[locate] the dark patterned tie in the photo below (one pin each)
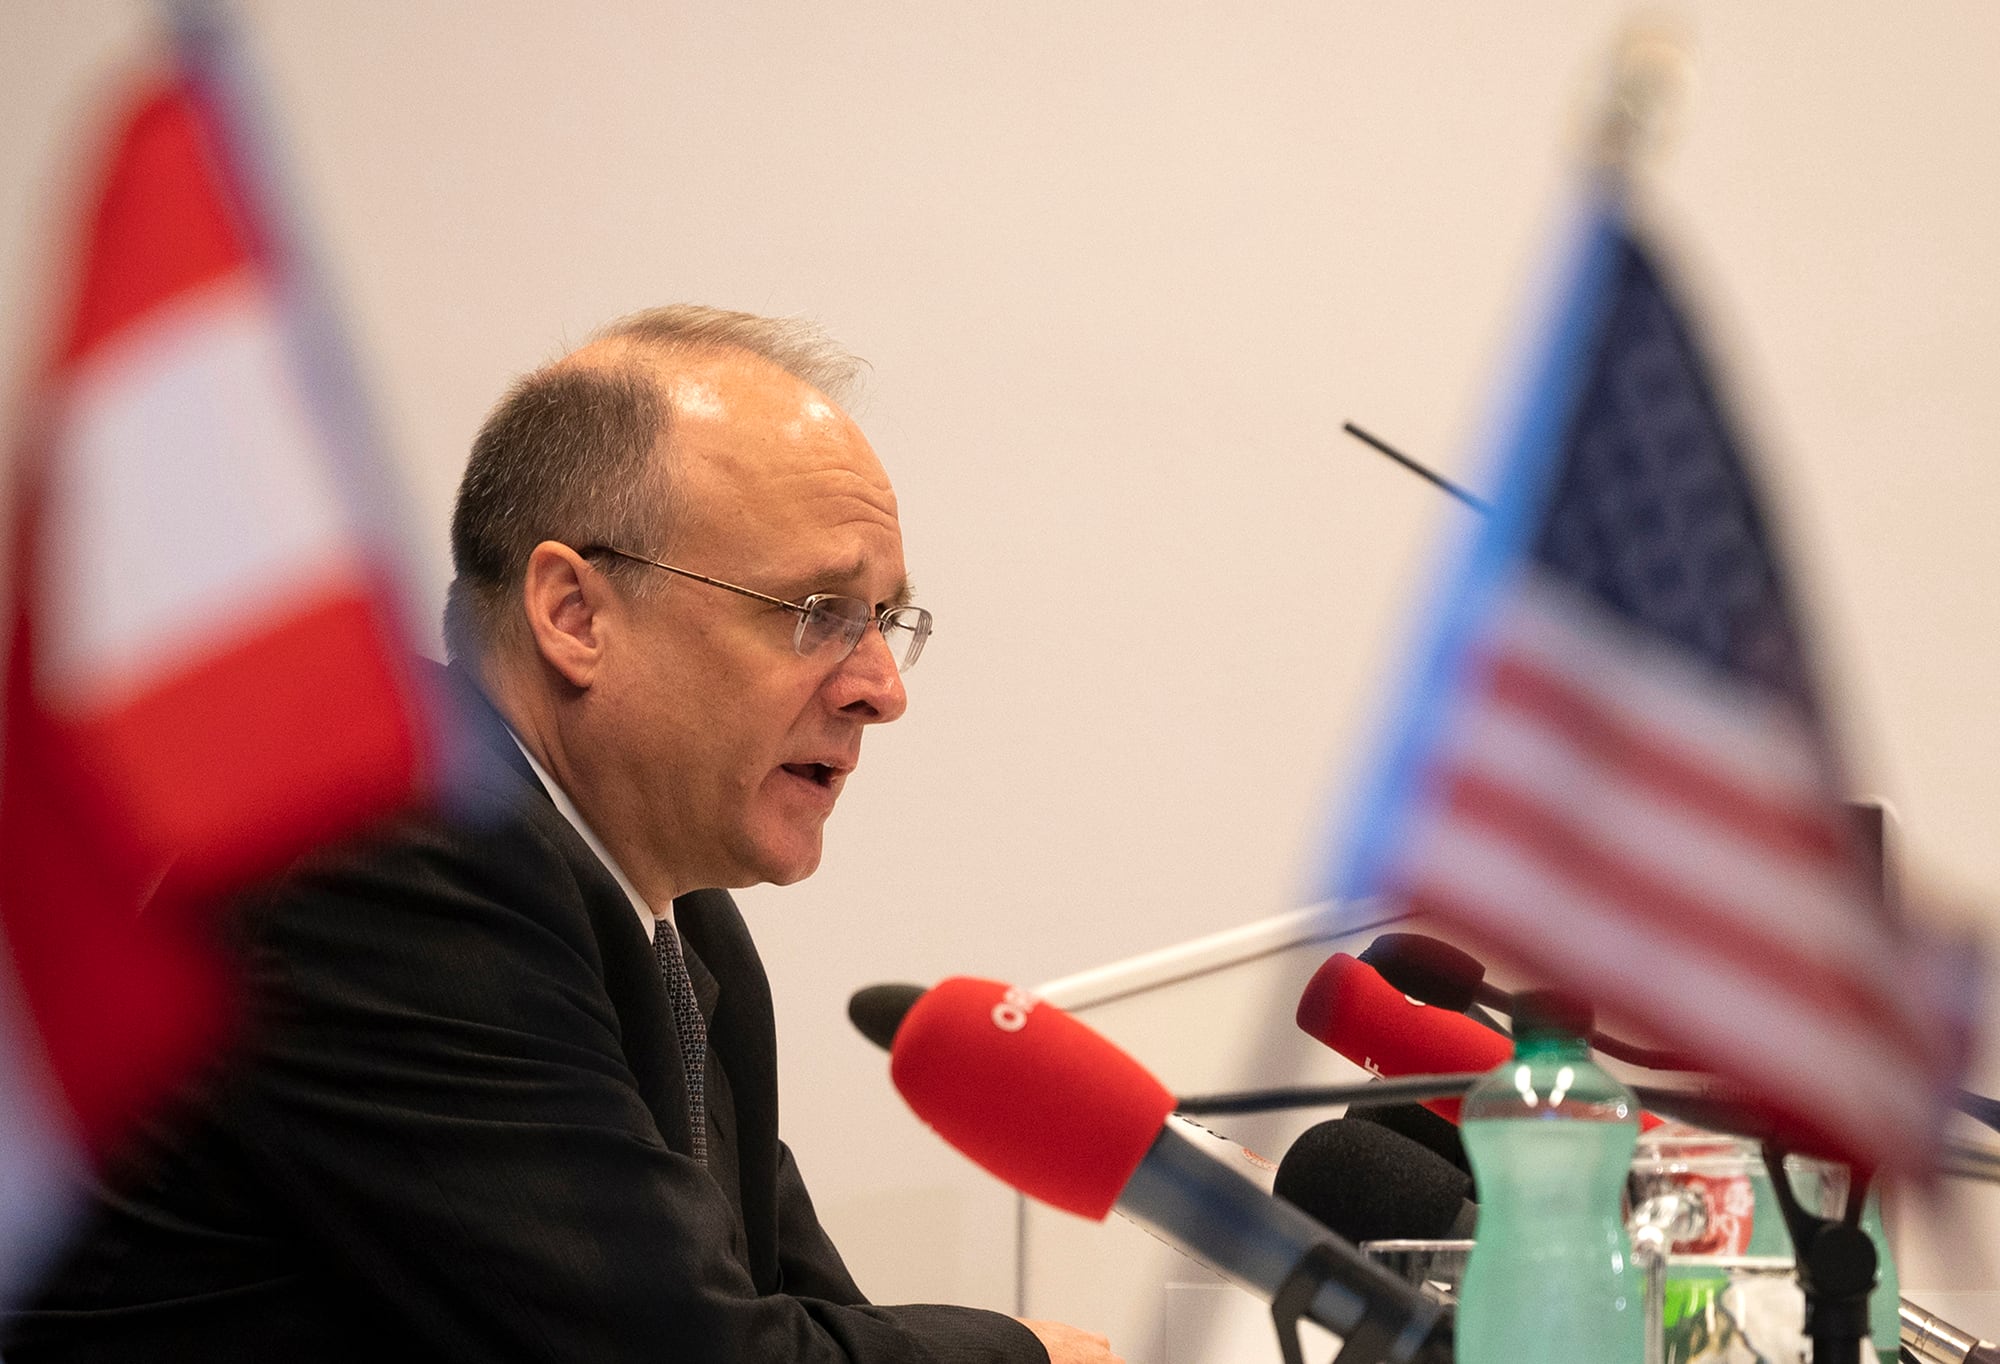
(689, 1024)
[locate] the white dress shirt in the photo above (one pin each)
(647, 914)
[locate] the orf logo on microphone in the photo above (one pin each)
(1011, 1013)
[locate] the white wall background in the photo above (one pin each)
(1122, 270)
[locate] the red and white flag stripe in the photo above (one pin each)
(205, 675)
(1606, 811)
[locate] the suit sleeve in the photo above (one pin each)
(436, 1090)
(813, 1268)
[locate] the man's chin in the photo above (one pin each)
(791, 875)
(784, 866)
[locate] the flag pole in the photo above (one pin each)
(1651, 72)
(208, 41)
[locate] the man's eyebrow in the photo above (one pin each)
(839, 581)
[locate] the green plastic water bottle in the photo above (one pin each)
(1551, 1278)
(1885, 1317)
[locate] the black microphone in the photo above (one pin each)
(878, 1010)
(1446, 977)
(1442, 976)
(1418, 1124)
(1370, 1184)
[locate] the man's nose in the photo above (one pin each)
(868, 684)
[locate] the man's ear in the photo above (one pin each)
(566, 602)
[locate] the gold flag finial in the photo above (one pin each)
(1651, 74)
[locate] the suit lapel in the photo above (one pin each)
(740, 1033)
(631, 973)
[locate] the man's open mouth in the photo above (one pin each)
(817, 773)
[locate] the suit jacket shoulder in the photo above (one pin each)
(456, 1125)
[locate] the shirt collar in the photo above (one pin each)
(648, 916)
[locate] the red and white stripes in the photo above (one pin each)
(1605, 811)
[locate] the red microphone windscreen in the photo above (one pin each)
(1348, 1006)
(1029, 1093)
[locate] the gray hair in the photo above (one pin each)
(796, 345)
(577, 452)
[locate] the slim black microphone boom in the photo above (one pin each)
(1423, 471)
(1715, 1109)
(1410, 1088)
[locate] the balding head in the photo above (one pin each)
(702, 731)
(581, 451)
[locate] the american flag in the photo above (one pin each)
(1617, 775)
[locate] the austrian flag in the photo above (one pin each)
(202, 676)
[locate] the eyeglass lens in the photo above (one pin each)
(839, 621)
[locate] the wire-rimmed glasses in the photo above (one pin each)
(826, 620)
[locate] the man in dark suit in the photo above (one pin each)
(508, 1089)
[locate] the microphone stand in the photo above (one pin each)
(1373, 1339)
(1836, 1264)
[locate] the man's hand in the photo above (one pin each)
(1067, 1345)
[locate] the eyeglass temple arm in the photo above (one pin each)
(698, 577)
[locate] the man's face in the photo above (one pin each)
(731, 749)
